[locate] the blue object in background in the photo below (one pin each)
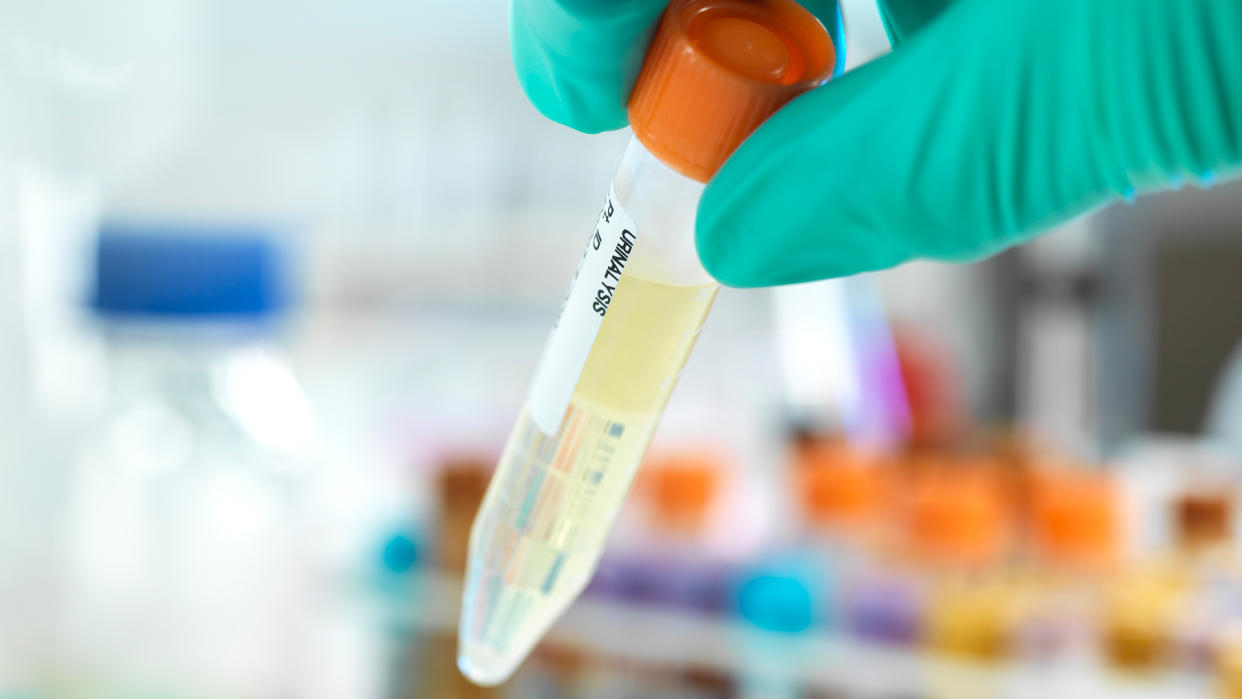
(400, 553)
(179, 271)
(784, 595)
(398, 556)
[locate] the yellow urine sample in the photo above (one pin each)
(542, 526)
(1140, 613)
(977, 620)
(1228, 659)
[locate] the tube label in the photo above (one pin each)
(599, 272)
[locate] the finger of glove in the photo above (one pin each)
(903, 18)
(951, 147)
(577, 60)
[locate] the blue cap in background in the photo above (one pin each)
(401, 551)
(784, 594)
(178, 271)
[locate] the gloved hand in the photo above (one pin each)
(988, 122)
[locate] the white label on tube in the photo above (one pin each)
(599, 271)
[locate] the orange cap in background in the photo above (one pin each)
(957, 517)
(717, 69)
(1203, 517)
(462, 485)
(682, 488)
(463, 481)
(1075, 518)
(839, 485)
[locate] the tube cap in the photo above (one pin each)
(840, 486)
(1076, 518)
(187, 272)
(683, 487)
(957, 517)
(716, 70)
(1204, 517)
(462, 486)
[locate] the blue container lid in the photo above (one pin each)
(188, 272)
(401, 552)
(783, 595)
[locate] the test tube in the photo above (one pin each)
(715, 70)
(1073, 525)
(958, 538)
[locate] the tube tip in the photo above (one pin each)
(481, 666)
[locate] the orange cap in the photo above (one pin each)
(1204, 517)
(957, 517)
(839, 486)
(1076, 517)
(716, 69)
(463, 481)
(682, 488)
(462, 486)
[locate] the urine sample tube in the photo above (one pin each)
(715, 70)
(958, 538)
(1073, 524)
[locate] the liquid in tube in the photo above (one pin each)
(539, 538)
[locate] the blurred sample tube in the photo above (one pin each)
(843, 493)
(958, 535)
(1074, 532)
(779, 601)
(461, 485)
(667, 558)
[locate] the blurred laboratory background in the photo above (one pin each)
(274, 277)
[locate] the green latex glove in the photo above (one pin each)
(989, 121)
